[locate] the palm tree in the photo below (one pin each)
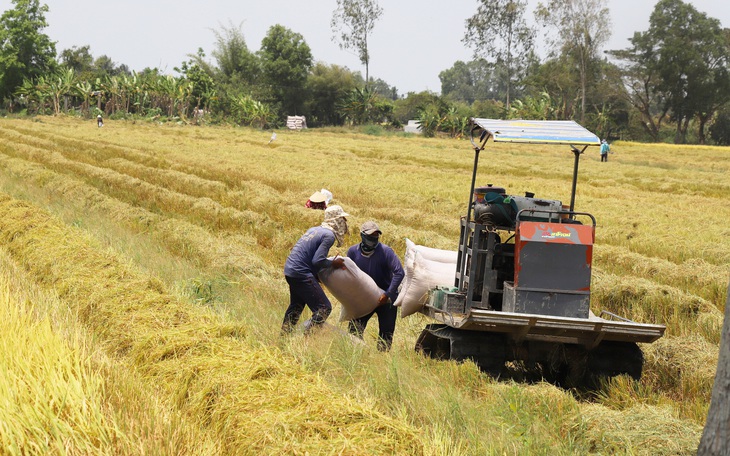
(359, 105)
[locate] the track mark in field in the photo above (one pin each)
(202, 211)
(181, 238)
(229, 188)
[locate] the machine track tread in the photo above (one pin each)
(486, 349)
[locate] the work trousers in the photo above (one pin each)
(604, 157)
(307, 292)
(387, 314)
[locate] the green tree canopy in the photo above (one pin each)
(25, 51)
(414, 103)
(78, 59)
(498, 30)
(692, 57)
(235, 61)
(327, 88)
(382, 88)
(199, 73)
(236, 70)
(285, 62)
(678, 67)
(557, 77)
(582, 27)
(470, 81)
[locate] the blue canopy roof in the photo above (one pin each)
(538, 131)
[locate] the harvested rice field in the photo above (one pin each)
(142, 293)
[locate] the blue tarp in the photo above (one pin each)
(538, 131)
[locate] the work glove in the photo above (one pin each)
(384, 299)
(338, 263)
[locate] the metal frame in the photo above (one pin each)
(555, 132)
(588, 332)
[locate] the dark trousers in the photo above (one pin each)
(604, 157)
(387, 314)
(307, 292)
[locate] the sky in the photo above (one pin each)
(412, 42)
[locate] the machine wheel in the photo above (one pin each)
(486, 349)
(616, 358)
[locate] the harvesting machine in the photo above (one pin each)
(523, 277)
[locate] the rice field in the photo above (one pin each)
(145, 262)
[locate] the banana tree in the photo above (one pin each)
(59, 86)
(112, 88)
(456, 125)
(84, 90)
(248, 111)
(430, 120)
(31, 94)
(534, 108)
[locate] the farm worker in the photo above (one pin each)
(99, 121)
(318, 200)
(306, 258)
(380, 262)
(605, 148)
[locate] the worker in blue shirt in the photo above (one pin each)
(306, 259)
(380, 262)
(605, 149)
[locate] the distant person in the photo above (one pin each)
(380, 262)
(306, 259)
(605, 148)
(99, 121)
(318, 200)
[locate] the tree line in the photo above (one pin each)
(671, 84)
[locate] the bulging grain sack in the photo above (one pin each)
(425, 268)
(356, 291)
(429, 253)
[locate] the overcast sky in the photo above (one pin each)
(411, 44)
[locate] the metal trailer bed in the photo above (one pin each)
(531, 327)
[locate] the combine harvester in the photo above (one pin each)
(523, 278)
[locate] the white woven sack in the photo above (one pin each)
(355, 290)
(408, 262)
(426, 253)
(440, 255)
(424, 275)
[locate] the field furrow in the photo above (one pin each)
(226, 253)
(155, 198)
(172, 343)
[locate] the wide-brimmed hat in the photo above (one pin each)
(370, 228)
(334, 212)
(318, 197)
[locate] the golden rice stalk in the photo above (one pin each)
(193, 355)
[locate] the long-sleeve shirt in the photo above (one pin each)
(309, 254)
(383, 266)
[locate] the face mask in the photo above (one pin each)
(369, 242)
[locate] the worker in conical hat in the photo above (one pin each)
(318, 200)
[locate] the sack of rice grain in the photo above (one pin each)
(356, 291)
(425, 268)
